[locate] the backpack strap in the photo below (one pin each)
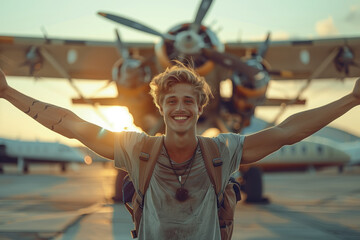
(148, 157)
(213, 163)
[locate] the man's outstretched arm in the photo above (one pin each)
(297, 127)
(60, 120)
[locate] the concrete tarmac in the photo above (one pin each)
(47, 204)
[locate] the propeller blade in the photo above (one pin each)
(230, 61)
(135, 25)
(203, 9)
(264, 47)
(124, 52)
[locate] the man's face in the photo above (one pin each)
(180, 108)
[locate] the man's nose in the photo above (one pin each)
(180, 106)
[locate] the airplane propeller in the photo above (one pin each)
(230, 61)
(345, 59)
(200, 15)
(252, 69)
(125, 66)
(183, 42)
(33, 59)
(264, 47)
(203, 9)
(136, 25)
(122, 50)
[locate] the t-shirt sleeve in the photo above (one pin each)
(127, 150)
(231, 149)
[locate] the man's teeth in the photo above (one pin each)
(180, 118)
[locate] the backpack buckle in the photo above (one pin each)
(133, 234)
(144, 156)
(217, 162)
(140, 199)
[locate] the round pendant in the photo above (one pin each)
(182, 194)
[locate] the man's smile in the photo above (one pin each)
(180, 118)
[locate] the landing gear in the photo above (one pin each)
(26, 168)
(63, 167)
(253, 187)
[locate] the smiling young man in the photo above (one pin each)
(180, 98)
(180, 202)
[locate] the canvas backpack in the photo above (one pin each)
(226, 199)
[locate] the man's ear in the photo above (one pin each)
(201, 108)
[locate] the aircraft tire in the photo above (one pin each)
(253, 186)
(26, 168)
(63, 167)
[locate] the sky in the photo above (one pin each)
(232, 20)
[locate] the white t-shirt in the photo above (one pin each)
(164, 217)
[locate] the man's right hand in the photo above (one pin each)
(3, 83)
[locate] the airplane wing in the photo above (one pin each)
(60, 58)
(321, 58)
(82, 59)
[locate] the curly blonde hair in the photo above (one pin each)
(179, 73)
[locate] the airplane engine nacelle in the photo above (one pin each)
(130, 73)
(187, 46)
(249, 93)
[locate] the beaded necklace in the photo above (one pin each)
(182, 194)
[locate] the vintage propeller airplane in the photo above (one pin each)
(246, 67)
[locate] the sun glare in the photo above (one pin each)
(119, 119)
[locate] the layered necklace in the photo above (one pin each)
(182, 194)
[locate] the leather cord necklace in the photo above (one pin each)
(182, 194)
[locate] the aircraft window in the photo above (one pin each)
(282, 151)
(304, 149)
(293, 149)
(320, 149)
